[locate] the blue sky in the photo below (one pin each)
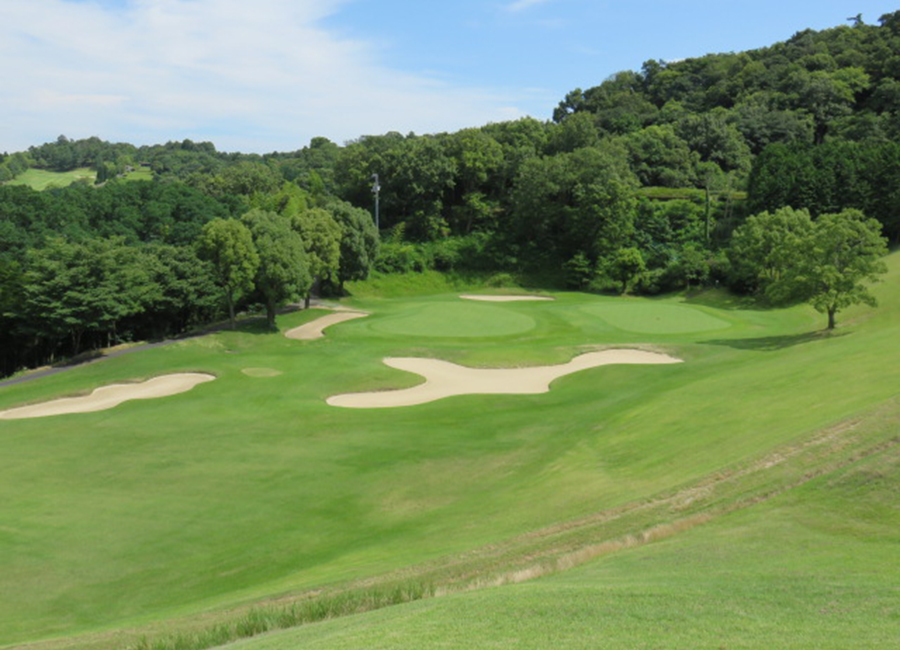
(266, 75)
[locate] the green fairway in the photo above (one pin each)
(251, 486)
(644, 317)
(42, 179)
(456, 319)
(816, 568)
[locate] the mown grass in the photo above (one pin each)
(139, 174)
(812, 568)
(252, 488)
(42, 179)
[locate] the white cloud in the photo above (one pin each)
(521, 5)
(250, 76)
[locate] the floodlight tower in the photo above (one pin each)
(376, 188)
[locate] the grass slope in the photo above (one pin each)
(42, 179)
(251, 487)
(814, 568)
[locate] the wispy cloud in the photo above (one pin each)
(251, 76)
(521, 5)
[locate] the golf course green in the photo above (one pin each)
(745, 497)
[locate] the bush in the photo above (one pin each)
(501, 280)
(579, 271)
(401, 257)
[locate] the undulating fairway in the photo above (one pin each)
(743, 498)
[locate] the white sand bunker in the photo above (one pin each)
(106, 397)
(316, 329)
(444, 379)
(510, 298)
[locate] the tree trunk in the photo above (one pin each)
(708, 211)
(76, 340)
(230, 300)
(831, 313)
(270, 314)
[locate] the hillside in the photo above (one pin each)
(269, 492)
(650, 438)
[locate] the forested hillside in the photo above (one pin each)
(636, 184)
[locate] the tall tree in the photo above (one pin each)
(844, 258)
(228, 244)
(359, 241)
(74, 288)
(321, 236)
(283, 272)
(828, 263)
(764, 248)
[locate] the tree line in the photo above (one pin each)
(645, 183)
(85, 267)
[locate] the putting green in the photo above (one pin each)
(650, 318)
(456, 319)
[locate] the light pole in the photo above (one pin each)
(376, 188)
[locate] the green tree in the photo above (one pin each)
(321, 236)
(580, 201)
(228, 244)
(626, 265)
(75, 288)
(827, 262)
(186, 293)
(660, 158)
(764, 247)
(283, 271)
(843, 258)
(359, 241)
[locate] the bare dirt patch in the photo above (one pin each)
(445, 379)
(261, 372)
(106, 397)
(316, 329)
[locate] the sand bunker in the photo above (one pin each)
(316, 329)
(106, 397)
(444, 379)
(488, 298)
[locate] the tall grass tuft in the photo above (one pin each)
(263, 619)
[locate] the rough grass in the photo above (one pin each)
(180, 516)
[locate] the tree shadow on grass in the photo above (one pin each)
(774, 343)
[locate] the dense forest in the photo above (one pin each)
(674, 176)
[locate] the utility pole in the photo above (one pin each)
(376, 188)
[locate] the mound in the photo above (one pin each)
(445, 379)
